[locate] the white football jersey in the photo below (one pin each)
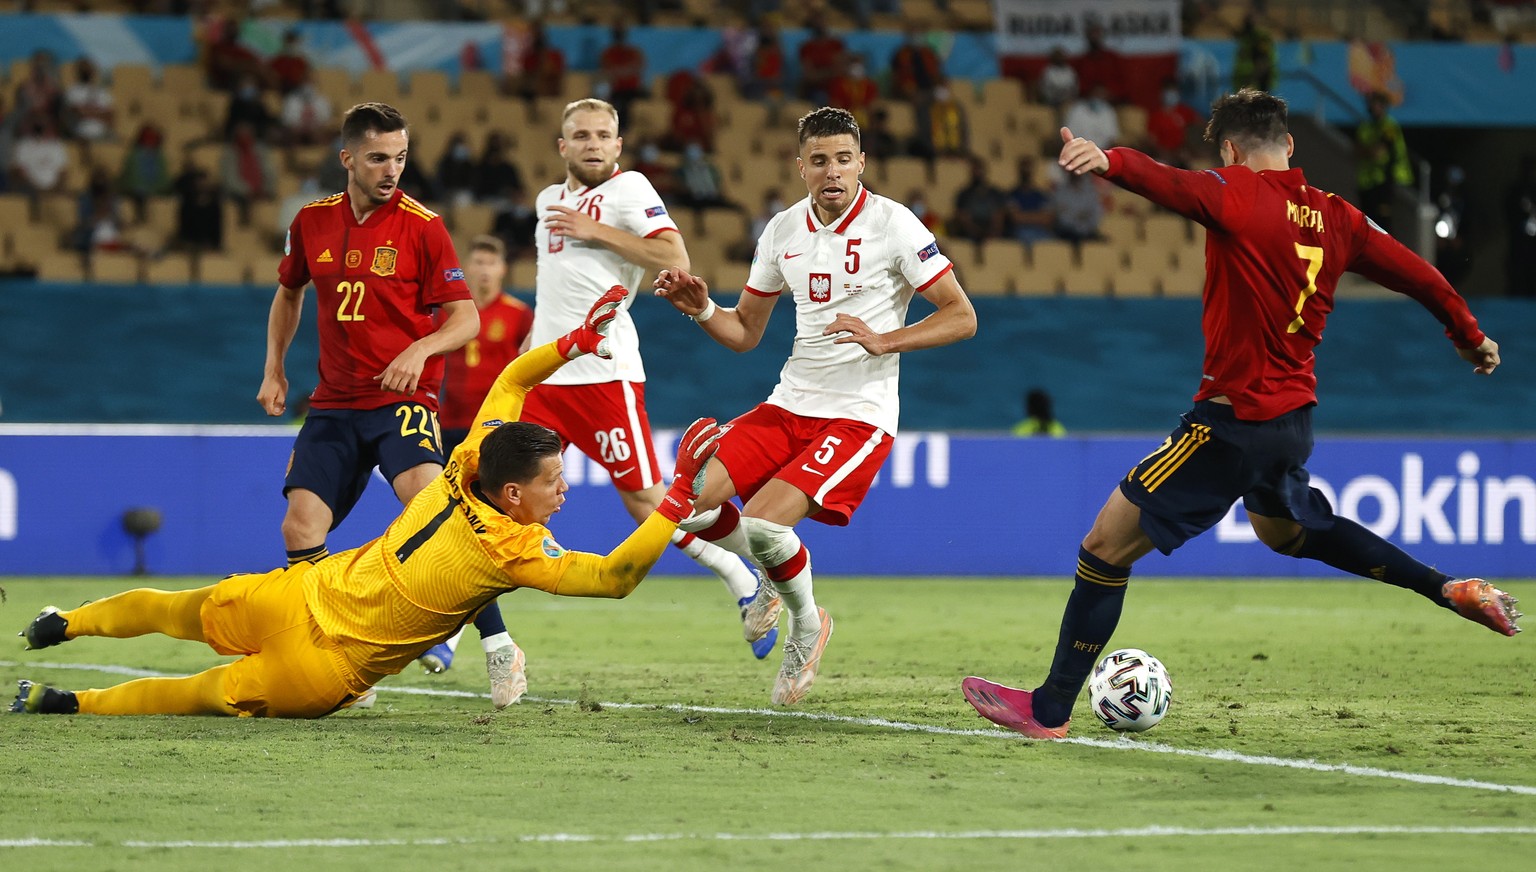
(572, 274)
(867, 263)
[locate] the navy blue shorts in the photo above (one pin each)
(337, 449)
(1211, 460)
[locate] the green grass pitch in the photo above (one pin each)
(648, 743)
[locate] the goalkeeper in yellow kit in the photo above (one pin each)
(315, 638)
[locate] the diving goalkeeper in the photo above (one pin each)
(315, 638)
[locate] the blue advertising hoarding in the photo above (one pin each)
(944, 504)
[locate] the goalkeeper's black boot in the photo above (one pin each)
(39, 699)
(46, 630)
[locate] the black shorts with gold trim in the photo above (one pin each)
(1213, 459)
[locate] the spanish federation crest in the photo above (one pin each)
(384, 261)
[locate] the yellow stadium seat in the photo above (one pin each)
(116, 267)
(1097, 265)
(32, 244)
(429, 85)
(182, 79)
(577, 86)
(1001, 95)
(172, 269)
(336, 84)
(1050, 262)
(1168, 230)
(130, 80)
(1005, 254)
(1185, 280)
(1121, 228)
(473, 218)
(218, 268)
(950, 174)
(60, 266)
(522, 273)
(379, 86)
(477, 85)
(1133, 125)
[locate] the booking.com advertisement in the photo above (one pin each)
(944, 504)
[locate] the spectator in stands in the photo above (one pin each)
(38, 159)
(1079, 207)
(1057, 85)
(332, 175)
(247, 106)
(662, 177)
(981, 210)
(290, 68)
(456, 171)
(693, 117)
(915, 67)
(514, 224)
(226, 62)
(700, 184)
(821, 59)
(917, 201)
(743, 249)
(1382, 166)
(1098, 65)
(145, 172)
(542, 70)
(942, 129)
(88, 104)
(854, 90)
(246, 172)
(40, 94)
(1255, 65)
(306, 114)
(1039, 416)
(496, 177)
(877, 139)
(763, 78)
(199, 211)
(1030, 217)
(1169, 127)
(99, 225)
(1520, 225)
(1094, 113)
(621, 71)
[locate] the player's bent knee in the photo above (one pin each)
(771, 544)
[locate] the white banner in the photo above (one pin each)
(1132, 27)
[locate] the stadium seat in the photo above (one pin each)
(336, 84)
(477, 85)
(1038, 122)
(218, 268)
(1001, 95)
(429, 85)
(1121, 228)
(522, 273)
(129, 81)
(473, 218)
(1050, 261)
(577, 86)
(33, 244)
(1008, 255)
(115, 267)
(381, 86)
(1187, 279)
(1133, 125)
(61, 266)
(1168, 230)
(182, 79)
(171, 269)
(1097, 265)
(950, 174)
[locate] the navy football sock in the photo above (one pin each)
(1092, 612)
(1356, 550)
(489, 622)
(308, 555)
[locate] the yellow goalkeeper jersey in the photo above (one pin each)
(451, 552)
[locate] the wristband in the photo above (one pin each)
(705, 313)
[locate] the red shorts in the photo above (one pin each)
(833, 460)
(607, 422)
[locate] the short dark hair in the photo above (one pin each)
(1250, 118)
(487, 242)
(375, 117)
(828, 121)
(514, 452)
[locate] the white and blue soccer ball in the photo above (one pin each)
(1130, 690)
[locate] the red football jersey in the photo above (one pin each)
(473, 369)
(1274, 250)
(376, 284)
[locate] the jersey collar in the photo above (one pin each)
(376, 215)
(847, 218)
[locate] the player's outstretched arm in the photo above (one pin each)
(654, 253)
(618, 573)
(282, 324)
(739, 329)
(504, 402)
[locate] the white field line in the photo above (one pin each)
(1124, 743)
(925, 835)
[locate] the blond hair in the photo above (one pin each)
(588, 104)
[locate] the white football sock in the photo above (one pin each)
(498, 640)
(453, 641)
(738, 579)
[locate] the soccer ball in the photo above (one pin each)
(1130, 690)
